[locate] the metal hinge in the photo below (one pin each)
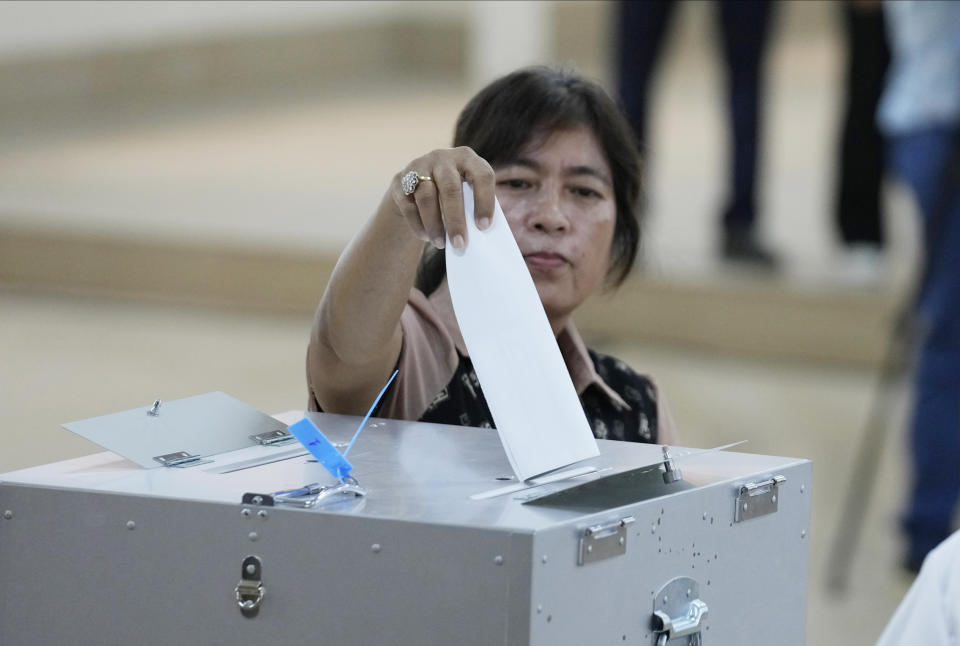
(273, 438)
(600, 542)
(758, 499)
(181, 460)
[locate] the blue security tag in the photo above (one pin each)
(321, 448)
(313, 439)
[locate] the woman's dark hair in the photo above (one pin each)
(507, 114)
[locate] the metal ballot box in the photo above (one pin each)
(99, 550)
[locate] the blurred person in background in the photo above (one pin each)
(920, 115)
(744, 28)
(857, 208)
(557, 154)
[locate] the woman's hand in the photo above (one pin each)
(435, 208)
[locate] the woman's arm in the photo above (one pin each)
(356, 337)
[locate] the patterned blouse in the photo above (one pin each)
(461, 402)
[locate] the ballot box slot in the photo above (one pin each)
(616, 490)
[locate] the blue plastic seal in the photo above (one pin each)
(321, 448)
(313, 439)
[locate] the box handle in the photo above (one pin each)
(250, 590)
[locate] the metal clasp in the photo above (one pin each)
(250, 590)
(756, 499)
(604, 541)
(313, 495)
(307, 496)
(679, 613)
(181, 460)
(273, 438)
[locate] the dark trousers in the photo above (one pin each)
(929, 162)
(744, 25)
(857, 209)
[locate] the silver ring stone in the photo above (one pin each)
(409, 182)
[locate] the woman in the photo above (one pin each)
(557, 154)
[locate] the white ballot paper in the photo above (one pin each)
(524, 378)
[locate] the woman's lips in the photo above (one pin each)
(544, 260)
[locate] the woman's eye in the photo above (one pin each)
(515, 183)
(583, 191)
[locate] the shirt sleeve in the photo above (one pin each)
(428, 359)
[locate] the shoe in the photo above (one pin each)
(740, 245)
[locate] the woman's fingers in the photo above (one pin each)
(481, 178)
(408, 209)
(435, 208)
(450, 194)
(425, 198)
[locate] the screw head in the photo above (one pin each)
(245, 512)
(8, 514)
(131, 524)
(498, 559)
(375, 548)
(263, 514)
(253, 536)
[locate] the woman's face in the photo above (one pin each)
(559, 201)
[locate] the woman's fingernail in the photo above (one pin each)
(483, 223)
(458, 241)
(439, 242)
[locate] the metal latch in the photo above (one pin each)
(273, 438)
(678, 613)
(307, 496)
(250, 590)
(758, 499)
(600, 542)
(181, 460)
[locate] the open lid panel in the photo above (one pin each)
(182, 431)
